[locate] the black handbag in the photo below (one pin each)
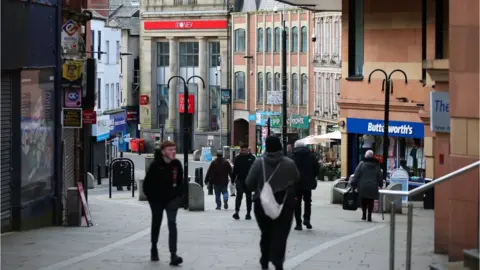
(350, 200)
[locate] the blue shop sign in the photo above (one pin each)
(118, 123)
(395, 129)
(262, 117)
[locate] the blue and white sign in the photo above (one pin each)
(439, 111)
(400, 176)
(395, 128)
(261, 117)
(101, 130)
(118, 123)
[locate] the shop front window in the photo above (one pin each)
(37, 128)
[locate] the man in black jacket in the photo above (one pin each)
(241, 167)
(308, 167)
(163, 187)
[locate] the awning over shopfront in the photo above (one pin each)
(336, 135)
(316, 5)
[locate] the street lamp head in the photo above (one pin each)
(314, 37)
(275, 7)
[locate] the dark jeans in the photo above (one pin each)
(219, 190)
(367, 205)
(157, 215)
(242, 189)
(307, 199)
(274, 233)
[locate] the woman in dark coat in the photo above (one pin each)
(367, 179)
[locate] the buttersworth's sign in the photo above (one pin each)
(185, 24)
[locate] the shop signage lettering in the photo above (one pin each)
(299, 121)
(403, 129)
(439, 111)
(72, 118)
(178, 25)
(376, 127)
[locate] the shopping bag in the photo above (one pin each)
(350, 200)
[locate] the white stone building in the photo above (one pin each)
(184, 38)
(327, 70)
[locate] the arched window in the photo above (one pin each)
(260, 87)
(240, 40)
(295, 39)
(277, 39)
(268, 46)
(295, 89)
(240, 85)
(304, 89)
(269, 81)
(304, 39)
(277, 82)
(259, 39)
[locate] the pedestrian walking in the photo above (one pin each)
(273, 177)
(241, 167)
(308, 168)
(367, 179)
(217, 174)
(164, 189)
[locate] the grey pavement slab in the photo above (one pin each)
(213, 240)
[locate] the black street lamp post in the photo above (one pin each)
(186, 130)
(284, 84)
(387, 88)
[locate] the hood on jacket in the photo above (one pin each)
(302, 151)
(273, 158)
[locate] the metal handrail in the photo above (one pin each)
(413, 192)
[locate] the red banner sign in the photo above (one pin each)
(89, 117)
(173, 25)
(144, 99)
(181, 103)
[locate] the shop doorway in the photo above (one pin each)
(240, 131)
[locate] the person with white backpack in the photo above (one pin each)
(273, 177)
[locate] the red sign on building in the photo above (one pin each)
(175, 25)
(143, 99)
(89, 117)
(181, 103)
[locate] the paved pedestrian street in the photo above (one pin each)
(213, 240)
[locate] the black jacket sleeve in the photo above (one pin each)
(180, 184)
(235, 170)
(149, 178)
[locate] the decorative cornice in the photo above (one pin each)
(424, 116)
(377, 105)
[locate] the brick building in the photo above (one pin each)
(256, 70)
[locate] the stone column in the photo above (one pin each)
(223, 84)
(202, 123)
(146, 81)
(172, 90)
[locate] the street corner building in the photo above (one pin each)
(257, 72)
(189, 39)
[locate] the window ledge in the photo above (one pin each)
(357, 78)
(239, 100)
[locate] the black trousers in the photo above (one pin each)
(274, 233)
(367, 205)
(306, 195)
(242, 189)
(157, 215)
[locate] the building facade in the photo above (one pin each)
(327, 71)
(187, 39)
(256, 73)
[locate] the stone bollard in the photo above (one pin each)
(197, 154)
(74, 208)
(196, 197)
(90, 180)
(388, 199)
(141, 195)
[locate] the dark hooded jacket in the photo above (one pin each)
(367, 178)
(284, 181)
(163, 181)
(219, 171)
(307, 166)
(241, 167)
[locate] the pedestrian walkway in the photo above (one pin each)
(213, 240)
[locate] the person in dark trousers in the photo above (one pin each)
(284, 179)
(367, 179)
(218, 173)
(241, 167)
(164, 189)
(308, 167)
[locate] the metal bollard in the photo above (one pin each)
(106, 171)
(99, 174)
(392, 236)
(408, 264)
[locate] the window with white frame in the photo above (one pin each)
(163, 57)
(107, 52)
(188, 54)
(118, 51)
(336, 39)
(240, 85)
(268, 35)
(240, 40)
(112, 97)
(326, 37)
(260, 87)
(107, 96)
(337, 94)
(295, 88)
(260, 40)
(304, 39)
(278, 84)
(304, 89)
(118, 95)
(295, 39)
(319, 93)
(268, 79)
(328, 101)
(277, 39)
